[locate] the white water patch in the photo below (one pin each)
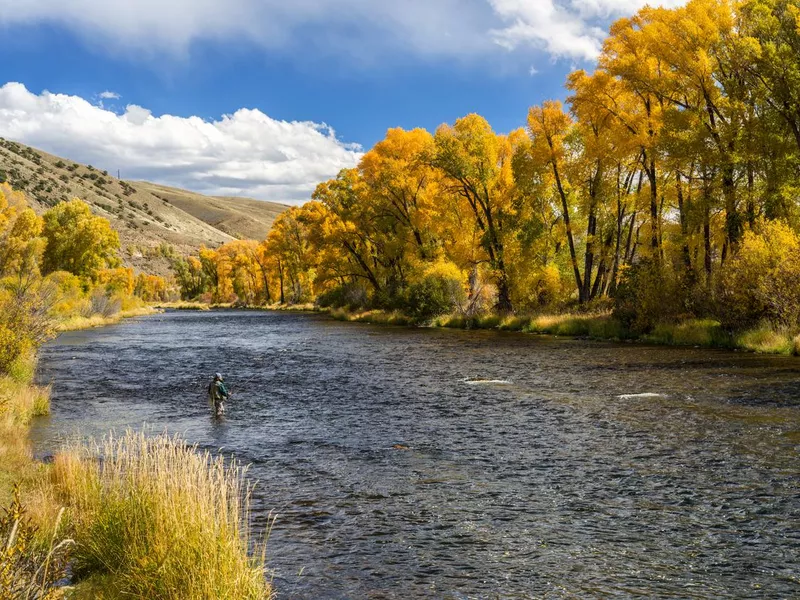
(643, 395)
(487, 381)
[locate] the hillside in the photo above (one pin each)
(238, 217)
(152, 220)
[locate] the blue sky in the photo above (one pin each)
(358, 66)
(359, 101)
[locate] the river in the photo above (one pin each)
(426, 463)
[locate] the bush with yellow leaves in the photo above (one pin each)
(762, 282)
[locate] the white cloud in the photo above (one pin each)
(358, 27)
(564, 29)
(246, 153)
(108, 95)
(368, 31)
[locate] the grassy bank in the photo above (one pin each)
(705, 333)
(77, 323)
(182, 305)
(20, 402)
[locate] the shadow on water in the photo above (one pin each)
(407, 463)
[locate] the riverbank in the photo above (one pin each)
(190, 305)
(77, 323)
(126, 537)
(20, 402)
(705, 333)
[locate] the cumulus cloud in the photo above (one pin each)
(109, 95)
(572, 29)
(364, 29)
(246, 153)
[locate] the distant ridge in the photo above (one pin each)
(152, 219)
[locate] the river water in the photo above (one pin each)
(422, 463)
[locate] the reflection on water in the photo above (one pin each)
(408, 463)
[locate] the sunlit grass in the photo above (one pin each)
(76, 323)
(603, 326)
(20, 402)
(694, 332)
(33, 559)
(767, 340)
(600, 325)
(376, 317)
(514, 323)
(155, 518)
(453, 321)
(304, 307)
(183, 305)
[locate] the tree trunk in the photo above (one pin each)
(280, 276)
(570, 240)
(682, 209)
(650, 171)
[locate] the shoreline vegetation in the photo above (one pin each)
(705, 333)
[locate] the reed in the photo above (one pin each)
(20, 402)
(155, 518)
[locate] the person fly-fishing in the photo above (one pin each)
(218, 394)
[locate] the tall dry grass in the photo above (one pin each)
(78, 322)
(20, 401)
(28, 569)
(158, 519)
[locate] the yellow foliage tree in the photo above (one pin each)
(77, 241)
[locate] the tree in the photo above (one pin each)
(478, 164)
(77, 241)
(405, 186)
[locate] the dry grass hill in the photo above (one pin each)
(239, 217)
(153, 220)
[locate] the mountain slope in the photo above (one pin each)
(152, 220)
(239, 217)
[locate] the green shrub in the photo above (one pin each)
(649, 294)
(435, 294)
(349, 295)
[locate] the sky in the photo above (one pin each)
(266, 98)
